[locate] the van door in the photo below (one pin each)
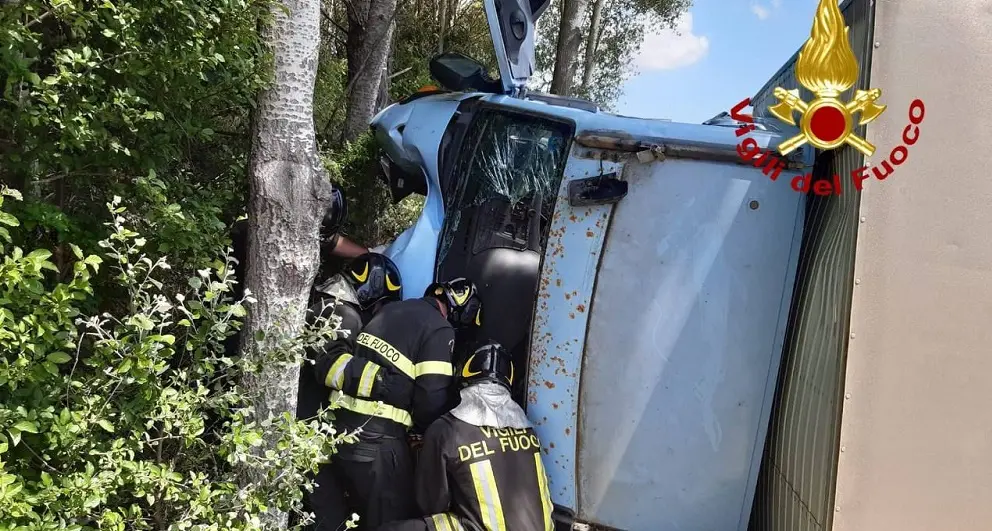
(508, 168)
(657, 337)
(512, 25)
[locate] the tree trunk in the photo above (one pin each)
(592, 43)
(288, 196)
(442, 25)
(567, 49)
(370, 32)
(383, 100)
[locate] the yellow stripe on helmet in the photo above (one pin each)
(466, 373)
(460, 298)
(361, 277)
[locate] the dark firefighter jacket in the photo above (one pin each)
(400, 368)
(313, 395)
(493, 478)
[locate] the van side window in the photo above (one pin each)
(503, 187)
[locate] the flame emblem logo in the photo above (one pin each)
(827, 67)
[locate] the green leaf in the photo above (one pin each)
(15, 436)
(39, 255)
(167, 338)
(58, 357)
(9, 220)
(105, 424)
(27, 425)
(76, 251)
(142, 322)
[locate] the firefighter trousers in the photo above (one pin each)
(377, 473)
(327, 502)
(435, 522)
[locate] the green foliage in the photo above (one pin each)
(144, 99)
(121, 83)
(135, 420)
(418, 39)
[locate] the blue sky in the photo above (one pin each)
(720, 52)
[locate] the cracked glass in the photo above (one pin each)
(505, 183)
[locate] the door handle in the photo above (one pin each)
(601, 190)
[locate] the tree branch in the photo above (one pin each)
(40, 18)
(327, 16)
(44, 463)
(401, 72)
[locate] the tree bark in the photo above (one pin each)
(592, 43)
(442, 22)
(288, 194)
(567, 49)
(384, 82)
(370, 33)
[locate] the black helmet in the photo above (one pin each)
(335, 216)
(376, 279)
(462, 298)
(489, 363)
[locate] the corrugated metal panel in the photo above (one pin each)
(798, 473)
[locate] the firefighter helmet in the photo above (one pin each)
(376, 279)
(335, 216)
(489, 363)
(462, 298)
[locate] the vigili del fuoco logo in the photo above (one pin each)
(828, 68)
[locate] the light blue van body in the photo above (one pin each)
(659, 317)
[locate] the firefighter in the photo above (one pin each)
(480, 467)
(394, 385)
(368, 283)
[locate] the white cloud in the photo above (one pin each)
(673, 48)
(762, 11)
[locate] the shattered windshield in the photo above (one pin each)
(517, 164)
(505, 183)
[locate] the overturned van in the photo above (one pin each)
(638, 270)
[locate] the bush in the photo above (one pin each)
(136, 420)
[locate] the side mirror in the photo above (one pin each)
(460, 73)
